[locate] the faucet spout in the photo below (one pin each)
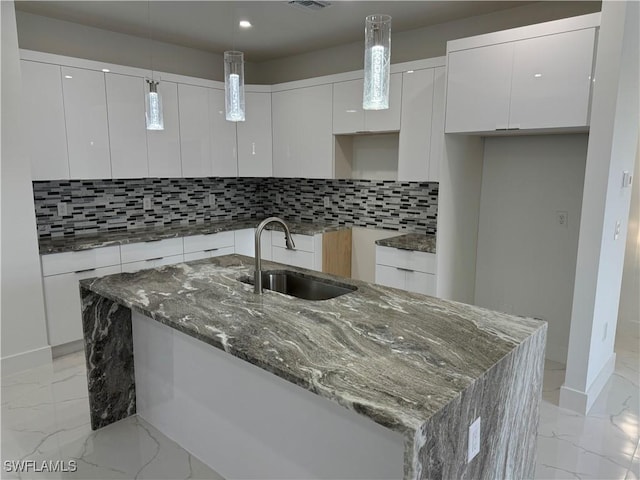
(257, 275)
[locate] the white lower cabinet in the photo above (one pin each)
(152, 263)
(197, 247)
(307, 254)
(245, 243)
(406, 269)
(62, 272)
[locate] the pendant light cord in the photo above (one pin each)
(150, 39)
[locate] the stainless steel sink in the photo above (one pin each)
(300, 285)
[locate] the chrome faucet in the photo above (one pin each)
(257, 276)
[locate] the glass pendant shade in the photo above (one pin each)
(153, 107)
(377, 62)
(234, 86)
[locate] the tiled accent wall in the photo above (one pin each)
(103, 205)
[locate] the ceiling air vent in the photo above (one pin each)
(309, 4)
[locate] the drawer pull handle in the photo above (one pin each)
(153, 241)
(405, 269)
(152, 259)
(85, 270)
(211, 250)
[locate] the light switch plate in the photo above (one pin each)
(62, 209)
(146, 203)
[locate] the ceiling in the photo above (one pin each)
(278, 30)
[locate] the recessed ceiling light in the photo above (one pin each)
(537, 75)
(409, 71)
(245, 23)
(68, 76)
(106, 70)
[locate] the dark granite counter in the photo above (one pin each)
(418, 365)
(121, 237)
(411, 241)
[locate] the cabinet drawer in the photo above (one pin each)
(152, 263)
(62, 304)
(408, 259)
(297, 258)
(198, 243)
(303, 242)
(419, 282)
(214, 252)
(390, 276)
(67, 262)
(135, 252)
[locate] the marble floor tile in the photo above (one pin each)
(45, 416)
(602, 445)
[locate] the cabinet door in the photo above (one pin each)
(224, 147)
(44, 120)
(386, 120)
(419, 282)
(302, 126)
(245, 243)
(164, 145)
(437, 125)
(552, 80)
(478, 89)
(152, 263)
(415, 132)
(255, 138)
(62, 303)
(127, 128)
(85, 107)
(297, 258)
(195, 131)
(348, 115)
(390, 276)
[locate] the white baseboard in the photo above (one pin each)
(26, 360)
(582, 402)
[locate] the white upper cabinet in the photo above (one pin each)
(302, 126)
(478, 86)
(85, 106)
(437, 124)
(552, 81)
(414, 152)
(127, 126)
(164, 145)
(349, 116)
(254, 137)
(533, 83)
(195, 131)
(44, 120)
(224, 147)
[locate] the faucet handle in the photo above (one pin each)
(289, 241)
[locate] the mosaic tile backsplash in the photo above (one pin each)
(106, 205)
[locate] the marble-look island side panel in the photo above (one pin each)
(419, 242)
(401, 359)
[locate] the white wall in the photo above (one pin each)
(629, 310)
(458, 216)
(427, 42)
(526, 260)
(613, 141)
(51, 35)
(23, 327)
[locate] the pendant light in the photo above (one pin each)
(234, 85)
(377, 62)
(153, 101)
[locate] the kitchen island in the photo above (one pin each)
(417, 371)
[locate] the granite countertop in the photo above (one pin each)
(411, 241)
(393, 356)
(121, 237)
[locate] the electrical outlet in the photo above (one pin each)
(212, 200)
(278, 198)
(327, 202)
(562, 218)
(62, 209)
(616, 232)
(146, 203)
(473, 447)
